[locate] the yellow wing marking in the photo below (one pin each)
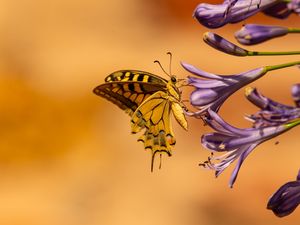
(133, 97)
(126, 87)
(135, 77)
(137, 87)
(145, 78)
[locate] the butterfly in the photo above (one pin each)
(149, 100)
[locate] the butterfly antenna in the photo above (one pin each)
(170, 64)
(156, 61)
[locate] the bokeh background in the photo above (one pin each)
(67, 156)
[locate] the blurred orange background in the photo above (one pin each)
(67, 156)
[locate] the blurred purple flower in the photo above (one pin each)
(237, 143)
(211, 92)
(272, 113)
(253, 34)
(286, 199)
(279, 11)
(231, 11)
(282, 10)
(223, 45)
(294, 6)
(296, 94)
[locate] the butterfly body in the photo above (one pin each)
(149, 100)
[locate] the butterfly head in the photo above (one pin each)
(173, 79)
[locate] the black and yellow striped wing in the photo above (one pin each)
(129, 88)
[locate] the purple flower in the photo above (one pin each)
(226, 46)
(237, 143)
(212, 91)
(253, 34)
(231, 11)
(286, 199)
(296, 94)
(272, 113)
(294, 6)
(279, 11)
(223, 45)
(282, 10)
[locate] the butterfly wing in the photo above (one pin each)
(153, 115)
(129, 88)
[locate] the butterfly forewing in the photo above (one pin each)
(136, 75)
(128, 89)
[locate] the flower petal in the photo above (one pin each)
(245, 152)
(215, 141)
(223, 45)
(201, 83)
(192, 69)
(253, 33)
(203, 97)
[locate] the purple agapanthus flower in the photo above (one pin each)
(223, 45)
(282, 10)
(231, 11)
(286, 199)
(253, 33)
(279, 11)
(228, 47)
(296, 94)
(237, 143)
(214, 89)
(294, 6)
(272, 112)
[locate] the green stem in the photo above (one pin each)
(251, 53)
(280, 66)
(293, 123)
(293, 30)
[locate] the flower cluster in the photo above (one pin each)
(227, 143)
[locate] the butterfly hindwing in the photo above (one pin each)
(153, 115)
